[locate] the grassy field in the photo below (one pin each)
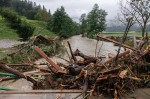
(7, 33)
(121, 34)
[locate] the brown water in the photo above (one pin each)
(88, 46)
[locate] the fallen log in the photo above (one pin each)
(87, 59)
(19, 74)
(58, 69)
(78, 53)
(124, 45)
(86, 62)
(26, 64)
(73, 56)
(112, 59)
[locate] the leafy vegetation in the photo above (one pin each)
(62, 24)
(42, 15)
(95, 21)
(24, 29)
(7, 33)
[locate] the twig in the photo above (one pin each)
(86, 96)
(79, 95)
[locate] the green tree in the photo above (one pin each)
(83, 22)
(61, 23)
(42, 15)
(5, 3)
(96, 20)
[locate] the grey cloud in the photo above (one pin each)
(75, 8)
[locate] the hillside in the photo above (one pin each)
(7, 33)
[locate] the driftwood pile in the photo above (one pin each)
(94, 76)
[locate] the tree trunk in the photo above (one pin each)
(143, 30)
(19, 74)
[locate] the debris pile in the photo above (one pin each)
(94, 75)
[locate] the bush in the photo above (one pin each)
(25, 31)
(11, 17)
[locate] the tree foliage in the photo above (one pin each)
(83, 22)
(42, 15)
(25, 8)
(62, 24)
(5, 3)
(94, 22)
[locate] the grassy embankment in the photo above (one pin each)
(7, 33)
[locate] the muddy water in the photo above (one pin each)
(88, 47)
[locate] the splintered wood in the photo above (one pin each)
(49, 60)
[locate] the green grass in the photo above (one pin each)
(121, 34)
(2, 54)
(40, 27)
(7, 33)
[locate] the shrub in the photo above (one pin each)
(25, 31)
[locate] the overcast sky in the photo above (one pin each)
(75, 8)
